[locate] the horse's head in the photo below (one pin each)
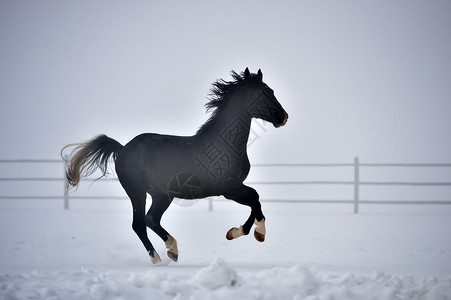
(261, 102)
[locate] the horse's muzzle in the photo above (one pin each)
(283, 121)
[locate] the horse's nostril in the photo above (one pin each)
(285, 120)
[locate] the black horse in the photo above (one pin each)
(213, 162)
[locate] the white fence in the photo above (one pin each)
(354, 182)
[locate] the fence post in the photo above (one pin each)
(210, 204)
(66, 187)
(356, 185)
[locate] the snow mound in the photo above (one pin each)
(216, 275)
(219, 281)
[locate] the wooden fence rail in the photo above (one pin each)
(355, 182)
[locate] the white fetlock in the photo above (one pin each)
(235, 233)
(260, 226)
(260, 231)
(171, 244)
(173, 251)
(155, 258)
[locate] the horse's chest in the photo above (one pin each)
(216, 164)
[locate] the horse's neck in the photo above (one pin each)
(232, 129)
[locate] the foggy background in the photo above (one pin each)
(357, 78)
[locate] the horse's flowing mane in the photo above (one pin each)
(221, 89)
(219, 93)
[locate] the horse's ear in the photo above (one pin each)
(247, 74)
(260, 74)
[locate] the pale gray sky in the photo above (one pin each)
(366, 78)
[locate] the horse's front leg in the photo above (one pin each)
(245, 195)
(259, 232)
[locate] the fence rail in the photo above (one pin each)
(355, 182)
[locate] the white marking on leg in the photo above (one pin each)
(155, 258)
(171, 245)
(260, 226)
(237, 232)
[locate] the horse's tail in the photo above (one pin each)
(89, 156)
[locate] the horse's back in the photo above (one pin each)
(155, 157)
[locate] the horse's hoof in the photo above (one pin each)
(172, 255)
(259, 236)
(234, 233)
(229, 234)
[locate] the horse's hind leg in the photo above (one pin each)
(139, 225)
(160, 203)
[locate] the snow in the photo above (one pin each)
(310, 252)
(219, 281)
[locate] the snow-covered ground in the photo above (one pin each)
(310, 252)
